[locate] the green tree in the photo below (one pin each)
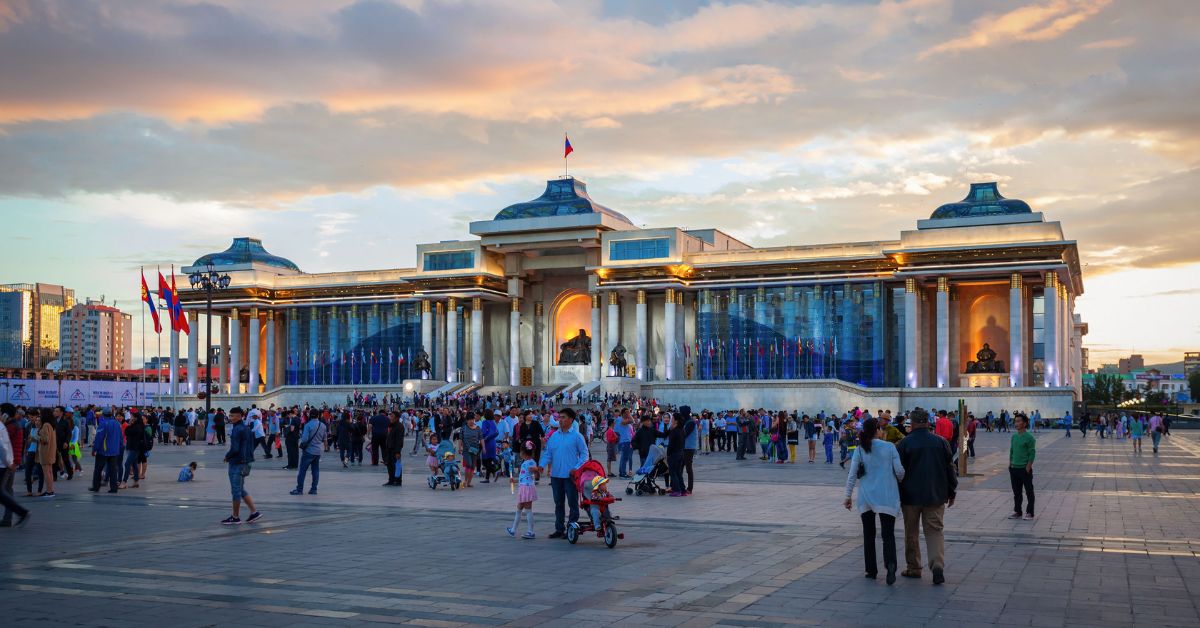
(1194, 384)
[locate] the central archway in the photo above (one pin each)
(571, 312)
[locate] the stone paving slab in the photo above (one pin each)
(757, 545)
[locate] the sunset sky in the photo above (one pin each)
(149, 132)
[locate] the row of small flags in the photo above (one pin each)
(170, 295)
(751, 346)
(321, 357)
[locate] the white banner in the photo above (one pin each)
(49, 392)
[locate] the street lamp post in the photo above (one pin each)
(209, 280)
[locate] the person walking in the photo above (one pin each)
(240, 457)
(312, 439)
(1021, 452)
(8, 469)
(106, 449)
(1156, 431)
(565, 452)
(928, 488)
(624, 430)
(875, 467)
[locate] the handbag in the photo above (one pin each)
(245, 470)
(862, 467)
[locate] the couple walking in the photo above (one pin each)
(915, 477)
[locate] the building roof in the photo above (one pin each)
(984, 199)
(563, 197)
(246, 251)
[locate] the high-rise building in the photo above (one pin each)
(1130, 364)
(1191, 361)
(95, 337)
(29, 326)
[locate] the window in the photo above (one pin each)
(449, 260)
(638, 249)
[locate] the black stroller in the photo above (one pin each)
(645, 481)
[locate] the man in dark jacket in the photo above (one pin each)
(644, 438)
(929, 486)
(291, 439)
(239, 457)
(393, 446)
(106, 448)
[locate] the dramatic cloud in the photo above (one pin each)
(332, 127)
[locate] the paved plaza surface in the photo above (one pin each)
(756, 545)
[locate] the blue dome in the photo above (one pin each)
(246, 251)
(983, 200)
(563, 197)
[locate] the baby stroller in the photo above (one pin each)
(586, 478)
(645, 480)
(448, 475)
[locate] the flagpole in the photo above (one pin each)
(143, 271)
(158, 357)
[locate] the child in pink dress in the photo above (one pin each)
(526, 491)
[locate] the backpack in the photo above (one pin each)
(610, 436)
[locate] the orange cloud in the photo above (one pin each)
(1039, 22)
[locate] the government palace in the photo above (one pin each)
(563, 294)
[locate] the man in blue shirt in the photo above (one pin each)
(312, 444)
(624, 430)
(240, 456)
(565, 452)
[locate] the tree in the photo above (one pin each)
(1106, 390)
(1194, 384)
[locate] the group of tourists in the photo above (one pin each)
(1124, 425)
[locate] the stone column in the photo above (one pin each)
(1016, 319)
(639, 314)
(272, 363)
(597, 354)
(439, 353)
(193, 372)
(173, 378)
(912, 352)
(223, 358)
(235, 352)
(514, 343)
(426, 334)
(477, 340)
(539, 337)
(943, 332)
(1050, 333)
(254, 348)
(670, 341)
(452, 340)
(614, 326)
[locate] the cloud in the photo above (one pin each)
(1036, 22)
(1110, 44)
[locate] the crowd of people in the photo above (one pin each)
(902, 465)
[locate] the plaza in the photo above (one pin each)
(757, 545)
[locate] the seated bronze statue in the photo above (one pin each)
(986, 362)
(577, 350)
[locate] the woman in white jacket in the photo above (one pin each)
(876, 468)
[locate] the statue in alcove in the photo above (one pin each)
(986, 362)
(577, 350)
(617, 360)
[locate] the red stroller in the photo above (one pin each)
(607, 530)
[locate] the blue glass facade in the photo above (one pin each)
(651, 248)
(852, 332)
(449, 260)
(352, 345)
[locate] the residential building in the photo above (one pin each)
(95, 337)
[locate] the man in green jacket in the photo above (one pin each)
(1020, 465)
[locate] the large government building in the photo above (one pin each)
(975, 303)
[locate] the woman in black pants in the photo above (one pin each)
(675, 438)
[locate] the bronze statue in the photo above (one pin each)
(577, 350)
(421, 363)
(986, 362)
(617, 360)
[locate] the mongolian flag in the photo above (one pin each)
(167, 294)
(150, 303)
(179, 320)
